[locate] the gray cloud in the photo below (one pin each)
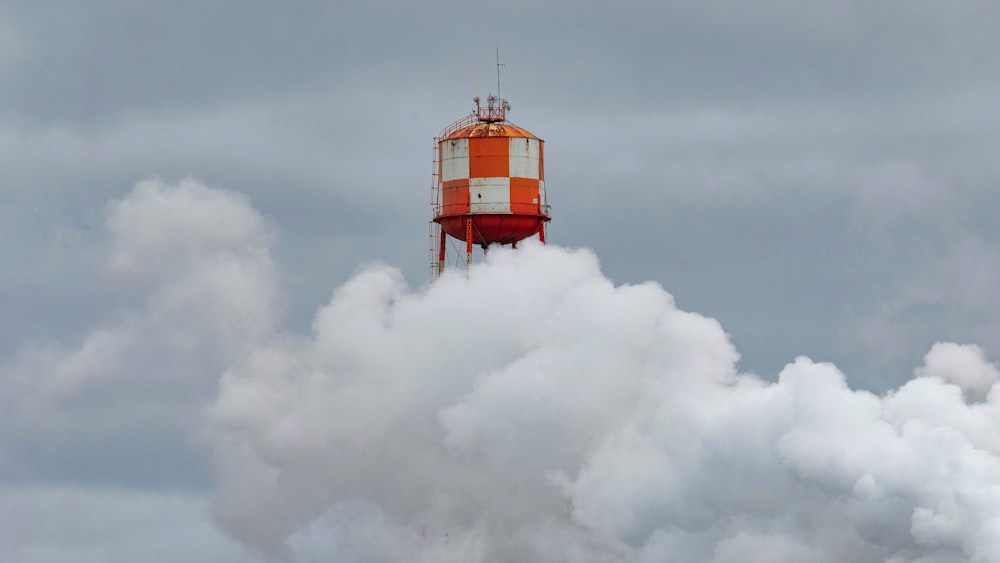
(123, 405)
(818, 177)
(49, 524)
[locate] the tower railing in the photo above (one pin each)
(462, 123)
(492, 113)
(490, 208)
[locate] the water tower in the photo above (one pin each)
(489, 183)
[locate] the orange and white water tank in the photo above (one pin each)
(490, 186)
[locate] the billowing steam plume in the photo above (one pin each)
(537, 412)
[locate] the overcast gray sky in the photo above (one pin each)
(817, 176)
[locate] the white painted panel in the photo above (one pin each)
(489, 195)
(523, 158)
(454, 159)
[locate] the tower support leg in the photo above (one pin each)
(541, 233)
(468, 244)
(441, 251)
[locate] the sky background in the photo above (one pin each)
(817, 176)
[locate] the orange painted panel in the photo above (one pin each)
(489, 157)
(524, 196)
(455, 197)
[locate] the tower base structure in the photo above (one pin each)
(473, 237)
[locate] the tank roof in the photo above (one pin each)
(490, 129)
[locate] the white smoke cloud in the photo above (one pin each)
(963, 365)
(538, 412)
(86, 525)
(125, 403)
(535, 411)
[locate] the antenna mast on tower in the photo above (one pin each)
(499, 64)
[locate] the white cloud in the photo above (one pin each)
(56, 524)
(964, 365)
(537, 400)
(532, 411)
(203, 255)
